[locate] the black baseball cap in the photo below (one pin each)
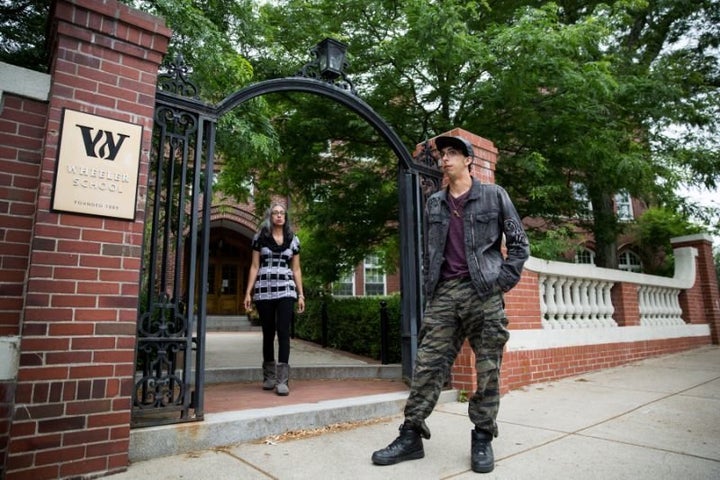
(457, 143)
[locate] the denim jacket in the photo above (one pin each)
(487, 215)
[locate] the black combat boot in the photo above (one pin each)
(482, 459)
(407, 446)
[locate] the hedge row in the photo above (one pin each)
(353, 325)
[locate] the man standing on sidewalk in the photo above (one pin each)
(464, 285)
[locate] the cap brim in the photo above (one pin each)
(456, 143)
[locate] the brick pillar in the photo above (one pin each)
(625, 302)
(75, 379)
(522, 303)
(23, 112)
(701, 303)
(464, 374)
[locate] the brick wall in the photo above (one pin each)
(73, 393)
(22, 128)
(522, 303)
(393, 283)
(521, 368)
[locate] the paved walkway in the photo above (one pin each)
(231, 354)
(244, 350)
(654, 419)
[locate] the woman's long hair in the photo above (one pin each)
(266, 225)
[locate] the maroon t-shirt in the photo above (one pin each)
(455, 265)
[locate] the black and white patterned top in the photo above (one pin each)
(275, 277)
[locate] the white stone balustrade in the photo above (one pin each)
(659, 306)
(576, 296)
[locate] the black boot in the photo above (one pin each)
(482, 459)
(407, 446)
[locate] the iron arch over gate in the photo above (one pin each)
(171, 318)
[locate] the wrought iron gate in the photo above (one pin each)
(171, 318)
(169, 377)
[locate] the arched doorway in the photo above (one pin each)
(231, 229)
(228, 267)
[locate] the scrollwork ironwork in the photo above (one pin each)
(163, 319)
(174, 79)
(430, 174)
(426, 156)
(159, 387)
(176, 121)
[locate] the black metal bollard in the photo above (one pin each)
(384, 322)
(324, 323)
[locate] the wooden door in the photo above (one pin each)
(226, 288)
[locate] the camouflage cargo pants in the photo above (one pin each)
(454, 314)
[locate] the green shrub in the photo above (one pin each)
(353, 325)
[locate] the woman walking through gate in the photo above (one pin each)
(274, 284)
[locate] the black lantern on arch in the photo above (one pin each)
(328, 64)
(331, 56)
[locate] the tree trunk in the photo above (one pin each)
(606, 231)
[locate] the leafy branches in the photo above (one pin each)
(23, 27)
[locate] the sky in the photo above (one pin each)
(706, 198)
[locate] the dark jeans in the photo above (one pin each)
(276, 316)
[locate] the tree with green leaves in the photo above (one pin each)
(584, 99)
(600, 95)
(653, 230)
(206, 35)
(23, 32)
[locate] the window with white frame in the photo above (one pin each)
(345, 287)
(629, 262)
(374, 276)
(623, 205)
(585, 256)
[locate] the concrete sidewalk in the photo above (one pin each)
(654, 419)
